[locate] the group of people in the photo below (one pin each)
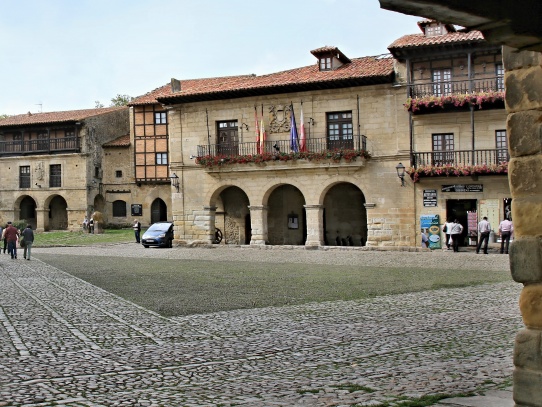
(11, 237)
(453, 230)
(88, 225)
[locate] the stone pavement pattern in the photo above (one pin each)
(66, 342)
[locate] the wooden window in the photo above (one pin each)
(227, 143)
(55, 175)
(443, 147)
(432, 30)
(325, 64)
(24, 176)
(441, 79)
(160, 117)
(161, 158)
(119, 209)
(501, 143)
(340, 131)
(69, 133)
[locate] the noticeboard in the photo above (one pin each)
(137, 210)
(429, 197)
(430, 225)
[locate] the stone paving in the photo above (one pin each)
(66, 342)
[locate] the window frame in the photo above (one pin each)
(118, 173)
(445, 154)
(441, 78)
(159, 158)
(339, 130)
(55, 175)
(501, 146)
(24, 176)
(325, 63)
(160, 117)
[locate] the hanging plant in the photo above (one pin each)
(461, 99)
(456, 170)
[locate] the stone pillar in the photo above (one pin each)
(524, 103)
(315, 225)
(41, 215)
(208, 221)
(258, 224)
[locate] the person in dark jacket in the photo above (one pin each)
(28, 235)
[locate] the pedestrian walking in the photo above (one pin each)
(484, 228)
(137, 230)
(456, 231)
(28, 237)
(447, 229)
(5, 242)
(11, 235)
(506, 228)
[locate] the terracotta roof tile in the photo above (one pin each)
(56, 117)
(122, 141)
(420, 40)
(377, 67)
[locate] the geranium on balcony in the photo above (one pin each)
(456, 170)
(347, 155)
(477, 99)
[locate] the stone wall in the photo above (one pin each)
(524, 103)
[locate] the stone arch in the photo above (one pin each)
(57, 213)
(25, 206)
(232, 214)
(158, 211)
(345, 215)
(286, 219)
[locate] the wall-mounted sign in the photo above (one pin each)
(137, 210)
(463, 188)
(430, 225)
(429, 197)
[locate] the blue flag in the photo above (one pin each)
(293, 132)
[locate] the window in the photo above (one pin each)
(325, 64)
(499, 71)
(340, 130)
(443, 147)
(160, 118)
(441, 81)
(161, 158)
(227, 138)
(69, 133)
(432, 30)
(55, 175)
(119, 209)
(501, 143)
(24, 176)
(118, 174)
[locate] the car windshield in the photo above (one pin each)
(160, 227)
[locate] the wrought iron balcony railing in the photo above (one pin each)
(314, 145)
(461, 157)
(444, 88)
(41, 146)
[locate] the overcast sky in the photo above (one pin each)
(68, 54)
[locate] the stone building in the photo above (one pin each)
(52, 165)
(454, 82)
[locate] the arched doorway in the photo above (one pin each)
(58, 214)
(158, 211)
(233, 216)
(27, 211)
(286, 217)
(345, 216)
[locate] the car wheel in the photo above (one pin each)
(146, 246)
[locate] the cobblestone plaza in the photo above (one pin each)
(66, 342)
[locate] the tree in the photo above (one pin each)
(3, 116)
(121, 100)
(98, 105)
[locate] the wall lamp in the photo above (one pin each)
(311, 121)
(175, 181)
(401, 173)
(38, 185)
(244, 126)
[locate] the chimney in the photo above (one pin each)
(175, 85)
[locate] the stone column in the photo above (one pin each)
(524, 103)
(315, 225)
(41, 215)
(258, 224)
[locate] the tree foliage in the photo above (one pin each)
(121, 100)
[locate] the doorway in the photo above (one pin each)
(457, 209)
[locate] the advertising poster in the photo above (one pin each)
(430, 225)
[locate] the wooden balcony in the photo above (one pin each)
(461, 157)
(434, 97)
(41, 146)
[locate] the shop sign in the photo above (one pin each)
(463, 188)
(429, 197)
